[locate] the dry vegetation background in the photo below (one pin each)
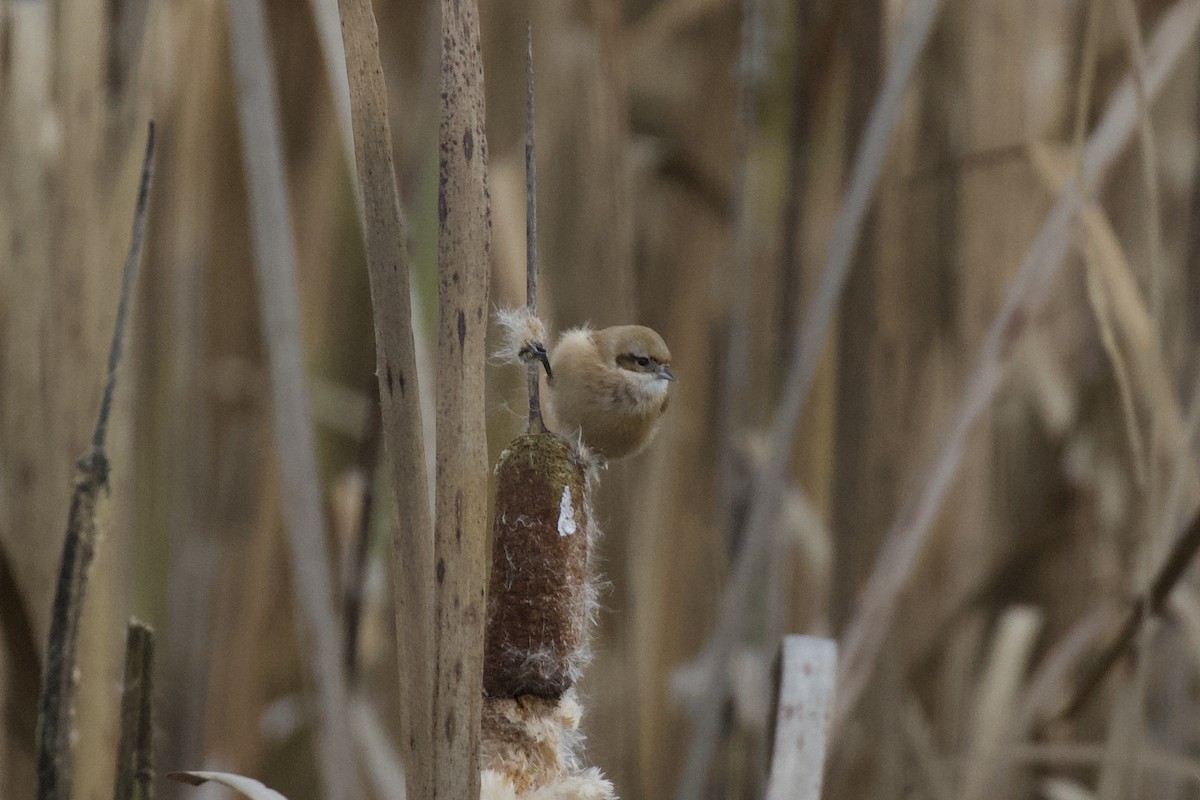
(691, 172)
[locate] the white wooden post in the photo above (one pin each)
(807, 672)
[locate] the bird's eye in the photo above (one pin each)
(643, 361)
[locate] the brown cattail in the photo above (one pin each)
(539, 602)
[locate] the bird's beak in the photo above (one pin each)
(665, 373)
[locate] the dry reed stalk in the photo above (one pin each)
(278, 301)
(1120, 770)
(1101, 308)
(399, 395)
(1088, 57)
(25, 162)
(325, 15)
(813, 56)
(126, 35)
(1125, 780)
(939, 783)
(1093, 756)
(731, 409)
(67, 154)
(1185, 608)
(1152, 380)
(415, 167)
(810, 343)
(907, 537)
(383, 769)
(1132, 323)
(135, 749)
(56, 704)
(856, 335)
(252, 629)
(200, 308)
(1131, 30)
(1151, 603)
(1105, 256)
(1007, 661)
(359, 546)
(460, 518)
(1040, 692)
(1180, 473)
(1191, 235)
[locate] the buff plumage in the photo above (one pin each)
(610, 387)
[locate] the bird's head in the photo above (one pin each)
(636, 349)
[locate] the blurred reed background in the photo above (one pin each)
(693, 159)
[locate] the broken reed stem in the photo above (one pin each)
(399, 399)
(128, 283)
(135, 750)
(1151, 603)
(536, 423)
(318, 631)
(56, 704)
(461, 513)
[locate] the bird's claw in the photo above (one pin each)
(536, 350)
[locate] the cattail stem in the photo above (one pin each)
(536, 423)
(135, 751)
(58, 687)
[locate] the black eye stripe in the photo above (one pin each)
(634, 362)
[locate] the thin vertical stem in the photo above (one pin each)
(79, 546)
(274, 257)
(536, 423)
(135, 750)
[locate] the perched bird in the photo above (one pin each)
(610, 387)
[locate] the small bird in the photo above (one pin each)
(610, 387)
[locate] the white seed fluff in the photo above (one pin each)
(566, 514)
